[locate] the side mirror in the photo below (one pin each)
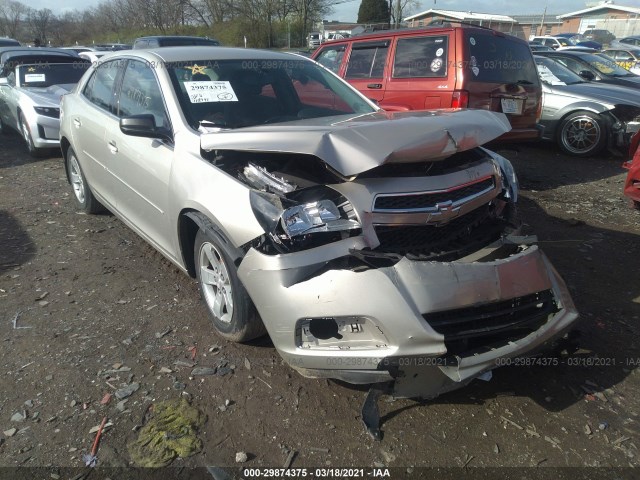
(143, 125)
(587, 75)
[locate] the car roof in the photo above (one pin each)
(184, 37)
(202, 52)
(572, 53)
(413, 30)
(10, 52)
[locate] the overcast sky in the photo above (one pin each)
(348, 12)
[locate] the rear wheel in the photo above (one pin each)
(81, 190)
(229, 305)
(28, 138)
(582, 134)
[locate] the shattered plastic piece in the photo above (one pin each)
(241, 457)
(486, 376)
(170, 433)
(127, 391)
(106, 399)
(10, 433)
(371, 414)
(203, 371)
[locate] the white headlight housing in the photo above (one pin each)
(320, 216)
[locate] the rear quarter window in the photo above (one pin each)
(499, 59)
(421, 57)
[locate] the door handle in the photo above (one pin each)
(77, 122)
(113, 147)
(375, 85)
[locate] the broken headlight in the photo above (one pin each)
(510, 184)
(293, 224)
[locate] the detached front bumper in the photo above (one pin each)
(375, 325)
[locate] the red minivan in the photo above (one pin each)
(443, 67)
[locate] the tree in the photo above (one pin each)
(40, 23)
(401, 9)
(12, 14)
(373, 11)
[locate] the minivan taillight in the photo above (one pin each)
(460, 99)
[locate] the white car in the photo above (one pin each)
(371, 246)
(30, 92)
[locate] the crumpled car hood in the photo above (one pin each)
(49, 96)
(355, 144)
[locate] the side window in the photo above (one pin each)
(331, 57)
(421, 57)
(140, 93)
(367, 60)
(99, 88)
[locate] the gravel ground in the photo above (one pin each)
(87, 309)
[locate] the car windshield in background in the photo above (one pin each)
(553, 73)
(606, 65)
(46, 74)
(495, 59)
(243, 93)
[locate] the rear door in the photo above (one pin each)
(501, 76)
(366, 67)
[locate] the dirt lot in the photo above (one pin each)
(87, 308)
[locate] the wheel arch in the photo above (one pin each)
(64, 147)
(189, 222)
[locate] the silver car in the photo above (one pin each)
(585, 117)
(30, 98)
(370, 246)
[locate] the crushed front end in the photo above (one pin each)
(409, 272)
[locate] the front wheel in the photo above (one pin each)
(81, 190)
(28, 138)
(582, 134)
(230, 307)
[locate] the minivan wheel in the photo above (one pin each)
(582, 134)
(230, 307)
(81, 190)
(28, 139)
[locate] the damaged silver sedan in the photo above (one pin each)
(371, 246)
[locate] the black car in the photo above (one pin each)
(599, 35)
(173, 41)
(9, 42)
(597, 67)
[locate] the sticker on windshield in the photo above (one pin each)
(436, 65)
(546, 75)
(472, 40)
(439, 52)
(207, 92)
(34, 77)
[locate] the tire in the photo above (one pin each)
(81, 191)
(25, 131)
(233, 314)
(582, 134)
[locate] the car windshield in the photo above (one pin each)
(606, 65)
(566, 42)
(553, 73)
(242, 93)
(44, 75)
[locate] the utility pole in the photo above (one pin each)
(544, 14)
(398, 13)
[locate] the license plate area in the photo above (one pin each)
(512, 106)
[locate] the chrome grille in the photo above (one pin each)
(430, 201)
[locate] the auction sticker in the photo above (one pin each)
(472, 41)
(439, 52)
(34, 77)
(207, 92)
